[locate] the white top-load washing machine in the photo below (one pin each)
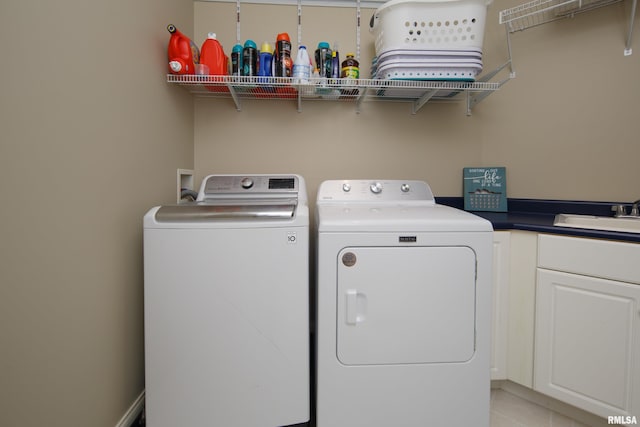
(227, 305)
(403, 308)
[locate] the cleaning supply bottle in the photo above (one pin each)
(249, 59)
(302, 66)
(236, 60)
(264, 61)
(335, 62)
(350, 67)
(283, 65)
(323, 59)
(212, 55)
(182, 52)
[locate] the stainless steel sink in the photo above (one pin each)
(607, 223)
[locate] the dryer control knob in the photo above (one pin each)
(405, 188)
(376, 188)
(246, 183)
(346, 187)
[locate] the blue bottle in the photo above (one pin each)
(266, 56)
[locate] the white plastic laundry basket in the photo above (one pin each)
(425, 24)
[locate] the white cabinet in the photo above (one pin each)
(521, 306)
(587, 339)
(512, 322)
(500, 301)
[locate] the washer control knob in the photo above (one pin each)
(376, 188)
(346, 187)
(246, 183)
(405, 188)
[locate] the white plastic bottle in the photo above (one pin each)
(302, 66)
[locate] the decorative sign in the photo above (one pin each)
(485, 189)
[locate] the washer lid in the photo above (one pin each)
(265, 209)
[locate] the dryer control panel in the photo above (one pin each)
(375, 190)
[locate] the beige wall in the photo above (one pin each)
(91, 138)
(565, 128)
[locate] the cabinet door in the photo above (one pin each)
(500, 305)
(588, 342)
(523, 248)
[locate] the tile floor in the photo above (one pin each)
(508, 410)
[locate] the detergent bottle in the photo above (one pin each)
(212, 55)
(236, 60)
(183, 53)
(283, 64)
(249, 59)
(264, 61)
(323, 59)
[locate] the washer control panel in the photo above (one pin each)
(375, 190)
(248, 187)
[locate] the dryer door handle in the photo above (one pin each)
(356, 306)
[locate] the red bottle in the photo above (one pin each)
(212, 55)
(183, 53)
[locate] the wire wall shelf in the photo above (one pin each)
(538, 12)
(322, 89)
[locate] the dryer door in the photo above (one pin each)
(399, 305)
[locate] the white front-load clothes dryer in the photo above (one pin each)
(226, 305)
(403, 308)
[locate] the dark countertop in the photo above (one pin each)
(538, 215)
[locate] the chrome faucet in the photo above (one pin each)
(621, 210)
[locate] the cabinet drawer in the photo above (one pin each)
(591, 257)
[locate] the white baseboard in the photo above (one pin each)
(132, 413)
